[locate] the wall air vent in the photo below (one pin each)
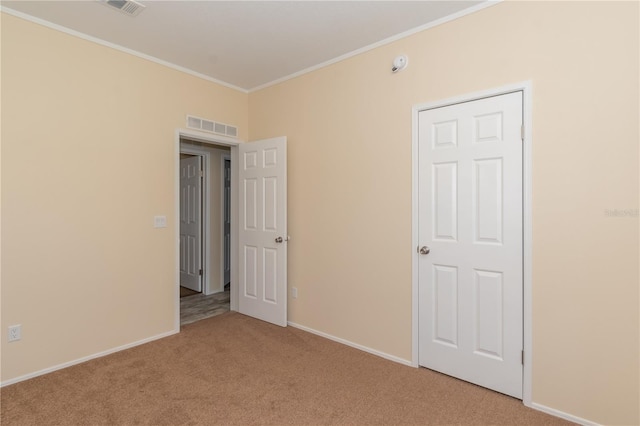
(128, 7)
(211, 126)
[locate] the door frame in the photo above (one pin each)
(205, 231)
(223, 158)
(527, 190)
(210, 139)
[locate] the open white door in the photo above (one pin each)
(263, 230)
(190, 223)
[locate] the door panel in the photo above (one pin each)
(489, 313)
(445, 287)
(190, 223)
(263, 230)
(250, 278)
(470, 216)
(445, 187)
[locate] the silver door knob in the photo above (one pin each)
(279, 240)
(424, 250)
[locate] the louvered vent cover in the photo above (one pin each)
(129, 7)
(211, 126)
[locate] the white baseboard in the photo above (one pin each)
(562, 414)
(86, 358)
(353, 345)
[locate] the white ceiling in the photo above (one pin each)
(246, 44)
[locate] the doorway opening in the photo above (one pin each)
(258, 200)
(204, 201)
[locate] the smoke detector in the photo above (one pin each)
(128, 7)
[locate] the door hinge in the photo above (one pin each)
(200, 272)
(522, 357)
(522, 132)
(201, 173)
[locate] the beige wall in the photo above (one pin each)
(88, 155)
(349, 132)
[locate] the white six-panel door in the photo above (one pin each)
(470, 232)
(190, 223)
(263, 230)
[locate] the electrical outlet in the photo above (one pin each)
(15, 332)
(294, 292)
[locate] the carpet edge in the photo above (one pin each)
(358, 346)
(85, 358)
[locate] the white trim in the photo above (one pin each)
(348, 55)
(234, 295)
(563, 415)
(380, 43)
(86, 358)
(123, 49)
(527, 217)
(527, 191)
(206, 219)
(414, 238)
(353, 345)
(211, 139)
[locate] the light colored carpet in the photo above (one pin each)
(236, 370)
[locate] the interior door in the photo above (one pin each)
(227, 221)
(263, 230)
(190, 223)
(470, 233)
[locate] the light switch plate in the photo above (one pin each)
(159, 221)
(15, 332)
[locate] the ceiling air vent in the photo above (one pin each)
(211, 126)
(129, 7)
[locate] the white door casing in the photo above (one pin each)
(470, 216)
(209, 140)
(262, 235)
(190, 223)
